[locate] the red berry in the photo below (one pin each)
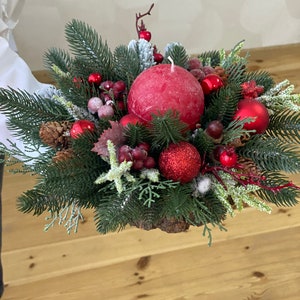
(228, 158)
(215, 129)
(149, 162)
(198, 74)
(80, 126)
(158, 58)
(107, 85)
(139, 154)
(145, 34)
(95, 78)
(194, 63)
(137, 165)
(145, 146)
(119, 86)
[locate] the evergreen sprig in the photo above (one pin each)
(178, 54)
(85, 43)
(271, 154)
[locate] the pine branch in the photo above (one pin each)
(136, 134)
(178, 54)
(283, 197)
(202, 142)
(210, 58)
(126, 64)
(285, 126)
(262, 78)
(222, 105)
(166, 129)
(271, 154)
(85, 43)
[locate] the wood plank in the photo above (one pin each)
(259, 266)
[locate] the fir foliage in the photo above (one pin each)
(166, 129)
(136, 134)
(271, 154)
(261, 77)
(126, 64)
(210, 58)
(178, 54)
(85, 43)
(285, 126)
(202, 142)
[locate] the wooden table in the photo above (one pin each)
(257, 258)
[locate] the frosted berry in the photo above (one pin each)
(145, 34)
(198, 74)
(194, 63)
(105, 111)
(144, 146)
(215, 129)
(94, 104)
(139, 154)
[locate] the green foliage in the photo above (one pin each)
(27, 112)
(287, 196)
(202, 142)
(178, 54)
(285, 126)
(222, 105)
(262, 78)
(85, 43)
(210, 58)
(271, 154)
(166, 129)
(136, 134)
(126, 64)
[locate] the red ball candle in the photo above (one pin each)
(166, 87)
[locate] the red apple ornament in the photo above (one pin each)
(211, 83)
(251, 108)
(166, 87)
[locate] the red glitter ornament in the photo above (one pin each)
(166, 87)
(251, 108)
(211, 83)
(80, 126)
(180, 162)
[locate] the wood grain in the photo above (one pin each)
(257, 258)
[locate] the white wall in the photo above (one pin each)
(198, 24)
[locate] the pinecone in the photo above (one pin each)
(173, 225)
(54, 134)
(221, 72)
(62, 155)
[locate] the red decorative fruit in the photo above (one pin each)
(180, 162)
(215, 129)
(158, 57)
(211, 83)
(251, 108)
(228, 158)
(95, 78)
(80, 127)
(145, 34)
(166, 87)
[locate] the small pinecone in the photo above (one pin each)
(173, 225)
(221, 72)
(54, 134)
(63, 155)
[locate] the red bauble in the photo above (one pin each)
(80, 126)
(180, 162)
(211, 83)
(166, 87)
(145, 34)
(228, 158)
(251, 108)
(130, 119)
(95, 78)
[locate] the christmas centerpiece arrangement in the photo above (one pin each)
(153, 140)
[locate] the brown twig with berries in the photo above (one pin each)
(138, 16)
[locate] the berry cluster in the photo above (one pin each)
(111, 94)
(138, 156)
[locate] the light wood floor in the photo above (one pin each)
(257, 258)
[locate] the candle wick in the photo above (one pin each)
(172, 63)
